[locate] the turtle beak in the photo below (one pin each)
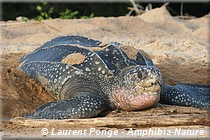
(150, 80)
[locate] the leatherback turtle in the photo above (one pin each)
(88, 77)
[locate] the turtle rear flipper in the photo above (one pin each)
(196, 95)
(83, 106)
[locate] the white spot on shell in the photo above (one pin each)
(103, 71)
(99, 68)
(97, 62)
(87, 69)
(78, 72)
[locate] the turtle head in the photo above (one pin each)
(139, 88)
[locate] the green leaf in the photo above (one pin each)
(50, 11)
(42, 13)
(86, 17)
(39, 18)
(39, 8)
(91, 15)
(67, 14)
(73, 14)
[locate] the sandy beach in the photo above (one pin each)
(179, 48)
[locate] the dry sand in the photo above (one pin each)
(179, 48)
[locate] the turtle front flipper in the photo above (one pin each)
(84, 105)
(196, 95)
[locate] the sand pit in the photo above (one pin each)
(179, 48)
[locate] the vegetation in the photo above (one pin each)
(46, 13)
(43, 10)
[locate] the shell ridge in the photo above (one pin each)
(70, 40)
(115, 58)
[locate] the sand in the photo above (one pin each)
(179, 48)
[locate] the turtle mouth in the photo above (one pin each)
(139, 97)
(150, 88)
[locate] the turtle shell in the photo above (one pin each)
(65, 57)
